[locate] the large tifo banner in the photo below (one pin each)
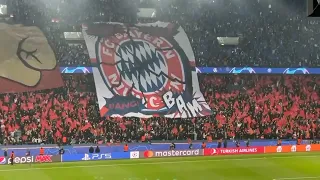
(27, 62)
(144, 70)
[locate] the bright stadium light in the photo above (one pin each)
(228, 41)
(147, 13)
(73, 36)
(3, 9)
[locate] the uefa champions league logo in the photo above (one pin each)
(72, 70)
(296, 71)
(244, 70)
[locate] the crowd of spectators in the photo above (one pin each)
(245, 106)
(48, 116)
(272, 33)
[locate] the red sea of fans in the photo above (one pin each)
(245, 106)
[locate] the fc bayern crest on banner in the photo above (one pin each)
(146, 71)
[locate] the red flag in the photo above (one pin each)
(58, 134)
(6, 98)
(86, 127)
(30, 105)
(5, 108)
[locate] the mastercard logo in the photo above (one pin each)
(148, 154)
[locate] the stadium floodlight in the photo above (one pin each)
(73, 36)
(233, 41)
(3, 9)
(147, 13)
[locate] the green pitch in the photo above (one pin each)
(293, 166)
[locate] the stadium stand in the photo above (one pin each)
(272, 33)
(245, 106)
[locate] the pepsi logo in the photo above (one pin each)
(3, 160)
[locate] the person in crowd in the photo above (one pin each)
(125, 148)
(279, 143)
(41, 151)
(12, 156)
(299, 140)
(172, 146)
(219, 143)
(5, 152)
(203, 145)
(28, 152)
(91, 149)
(248, 143)
(61, 151)
(225, 143)
(97, 150)
(237, 143)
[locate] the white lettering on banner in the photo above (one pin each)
(151, 100)
(182, 106)
(113, 79)
(157, 42)
(229, 151)
(194, 107)
(248, 150)
(101, 156)
(177, 153)
(123, 88)
(119, 36)
(106, 49)
(240, 150)
(169, 54)
(147, 37)
(108, 44)
(21, 160)
(168, 99)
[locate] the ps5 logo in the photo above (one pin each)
(88, 157)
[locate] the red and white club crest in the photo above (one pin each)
(148, 65)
